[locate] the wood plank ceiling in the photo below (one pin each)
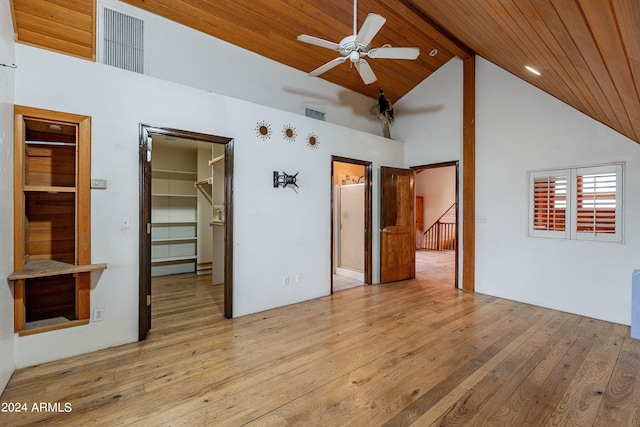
(67, 26)
(587, 51)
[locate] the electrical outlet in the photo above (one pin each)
(285, 281)
(298, 278)
(98, 314)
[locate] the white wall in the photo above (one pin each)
(182, 55)
(520, 128)
(7, 85)
(437, 187)
(277, 232)
(429, 118)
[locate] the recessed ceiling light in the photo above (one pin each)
(533, 70)
(55, 127)
(434, 52)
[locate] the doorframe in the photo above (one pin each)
(144, 279)
(368, 215)
(455, 163)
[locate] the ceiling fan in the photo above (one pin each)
(357, 46)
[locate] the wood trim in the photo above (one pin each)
(19, 311)
(83, 296)
(438, 33)
(54, 327)
(83, 192)
(13, 20)
(94, 39)
(18, 193)
(144, 237)
(52, 268)
(469, 174)
(368, 214)
(228, 229)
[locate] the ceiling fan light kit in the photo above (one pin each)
(358, 46)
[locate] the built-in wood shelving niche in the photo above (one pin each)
(52, 220)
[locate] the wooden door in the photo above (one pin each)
(397, 225)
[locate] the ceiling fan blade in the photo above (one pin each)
(329, 65)
(394, 52)
(318, 42)
(370, 28)
(367, 74)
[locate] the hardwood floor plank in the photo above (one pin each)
(529, 404)
(580, 403)
(415, 352)
(478, 405)
(620, 401)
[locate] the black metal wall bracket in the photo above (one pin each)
(284, 180)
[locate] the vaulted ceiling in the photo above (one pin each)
(587, 51)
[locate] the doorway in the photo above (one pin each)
(436, 190)
(351, 218)
(192, 179)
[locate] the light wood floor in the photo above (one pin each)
(407, 353)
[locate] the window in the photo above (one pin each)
(577, 203)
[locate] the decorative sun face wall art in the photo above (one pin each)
(263, 130)
(313, 141)
(289, 133)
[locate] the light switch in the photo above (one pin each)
(98, 184)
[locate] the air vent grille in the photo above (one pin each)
(314, 114)
(123, 37)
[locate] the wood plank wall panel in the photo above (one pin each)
(588, 51)
(50, 226)
(50, 297)
(50, 165)
(66, 26)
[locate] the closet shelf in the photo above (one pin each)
(216, 222)
(175, 239)
(174, 223)
(175, 172)
(49, 189)
(175, 195)
(172, 259)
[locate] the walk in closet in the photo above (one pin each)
(185, 206)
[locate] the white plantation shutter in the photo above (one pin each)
(548, 204)
(597, 203)
(577, 203)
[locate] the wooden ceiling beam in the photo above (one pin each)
(419, 17)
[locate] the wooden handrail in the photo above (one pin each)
(441, 236)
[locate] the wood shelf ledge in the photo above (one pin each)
(47, 325)
(48, 268)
